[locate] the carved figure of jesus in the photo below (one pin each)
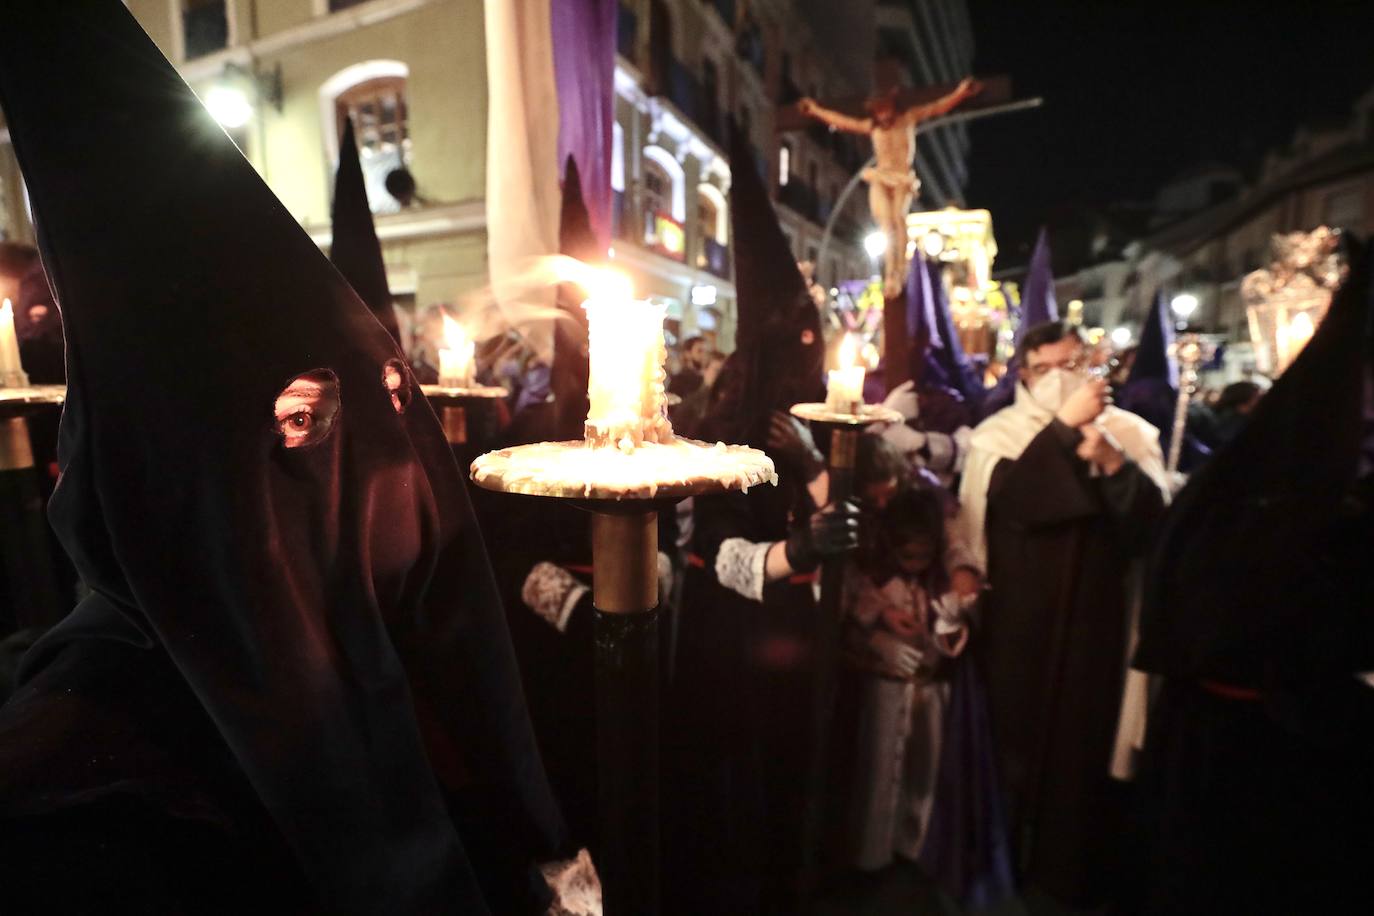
(892, 181)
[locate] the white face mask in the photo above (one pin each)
(1053, 388)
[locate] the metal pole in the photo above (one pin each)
(625, 595)
(844, 443)
(455, 420)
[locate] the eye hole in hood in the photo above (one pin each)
(397, 383)
(307, 408)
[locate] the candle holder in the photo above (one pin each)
(25, 553)
(624, 490)
(845, 429)
(451, 404)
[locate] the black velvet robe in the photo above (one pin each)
(1052, 640)
(737, 735)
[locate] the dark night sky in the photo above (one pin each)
(1138, 92)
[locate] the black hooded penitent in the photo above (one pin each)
(779, 353)
(1259, 614)
(327, 610)
(354, 248)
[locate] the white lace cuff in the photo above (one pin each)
(552, 592)
(740, 566)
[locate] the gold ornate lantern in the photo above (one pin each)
(1286, 302)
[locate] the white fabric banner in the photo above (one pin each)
(523, 196)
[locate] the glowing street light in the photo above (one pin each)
(1121, 337)
(229, 106)
(1183, 305)
(875, 243)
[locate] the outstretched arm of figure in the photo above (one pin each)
(835, 119)
(968, 88)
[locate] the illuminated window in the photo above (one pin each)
(708, 216)
(784, 164)
(381, 124)
(658, 189)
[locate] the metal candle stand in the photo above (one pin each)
(625, 595)
(845, 429)
(451, 404)
(24, 548)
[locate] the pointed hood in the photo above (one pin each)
(1153, 356)
(256, 492)
(354, 248)
(964, 378)
(779, 353)
(926, 346)
(1038, 305)
(576, 239)
(1253, 549)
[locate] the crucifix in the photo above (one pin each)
(892, 181)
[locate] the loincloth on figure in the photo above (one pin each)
(895, 179)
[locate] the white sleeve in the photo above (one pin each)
(552, 592)
(740, 566)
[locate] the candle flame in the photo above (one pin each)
(849, 351)
(455, 335)
(8, 307)
(1300, 331)
(603, 283)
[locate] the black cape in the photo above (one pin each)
(297, 648)
(738, 744)
(1259, 615)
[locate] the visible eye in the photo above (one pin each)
(306, 408)
(394, 378)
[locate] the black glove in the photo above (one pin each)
(829, 532)
(791, 442)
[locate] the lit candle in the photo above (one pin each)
(626, 354)
(1300, 331)
(11, 369)
(844, 390)
(456, 366)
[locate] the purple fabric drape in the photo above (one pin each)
(584, 70)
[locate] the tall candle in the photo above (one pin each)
(11, 369)
(626, 353)
(456, 365)
(844, 390)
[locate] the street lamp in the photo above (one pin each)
(229, 106)
(875, 243)
(232, 101)
(1183, 305)
(1121, 337)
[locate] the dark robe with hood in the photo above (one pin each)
(292, 685)
(737, 735)
(1258, 778)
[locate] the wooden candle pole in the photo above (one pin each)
(625, 594)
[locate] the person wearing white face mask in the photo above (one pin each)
(1059, 496)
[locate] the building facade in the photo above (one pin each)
(1323, 177)
(281, 76)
